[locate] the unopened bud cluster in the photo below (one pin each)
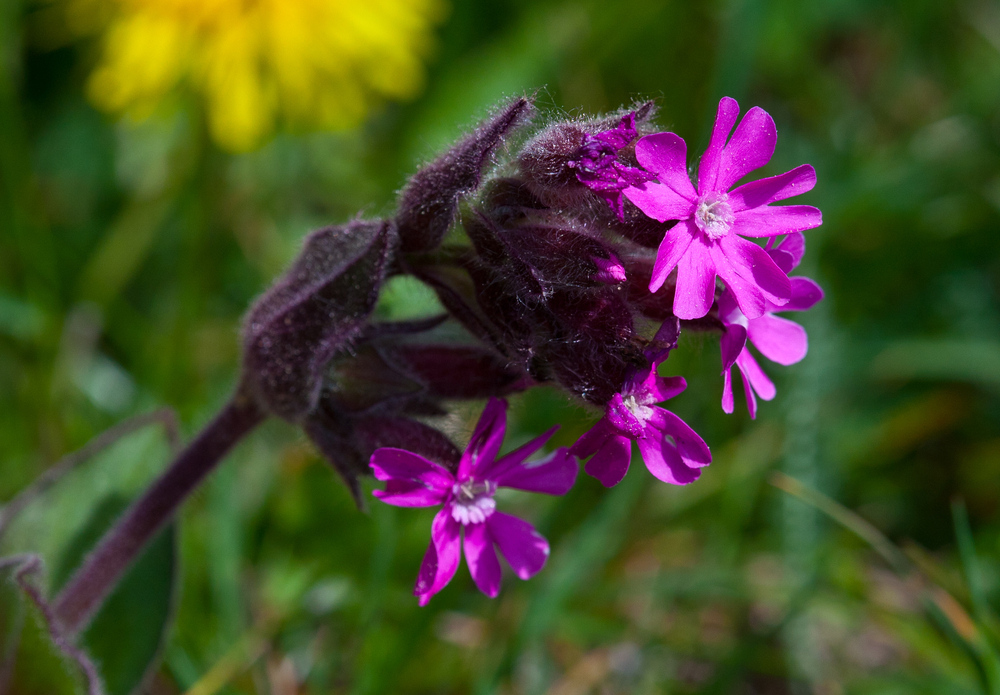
(574, 256)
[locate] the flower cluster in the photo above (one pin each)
(584, 254)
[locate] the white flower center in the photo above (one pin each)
(714, 216)
(472, 502)
(641, 411)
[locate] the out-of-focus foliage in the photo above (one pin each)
(130, 248)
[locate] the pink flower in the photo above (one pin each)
(672, 451)
(778, 339)
(707, 241)
(467, 503)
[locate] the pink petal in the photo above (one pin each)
(750, 396)
(675, 244)
(805, 293)
(610, 463)
(751, 147)
(665, 463)
(642, 381)
(725, 119)
(753, 264)
(727, 390)
(695, 281)
(752, 372)
(781, 258)
(659, 201)
(404, 493)
(610, 271)
(729, 310)
(778, 339)
(665, 154)
(734, 339)
(389, 463)
(442, 557)
(799, 180)
(663, 342)
(521, 545)
(689, 444)
(794, 245)
(666, 387)
(749, 300)
(484, 445)
(552, 475)
(516, 457)
(622, 419)
(593, 439)
(482, 559)
(777, 220)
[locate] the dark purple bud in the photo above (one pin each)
(494, 247)
(654, 305)
(636, 226)
(458, 371)
(429, 201)
(365, 380)
(561, 256)
(595, 348)
(545, 160)
(399, 375)
(508, 200)
(514, 306)
(317, 308)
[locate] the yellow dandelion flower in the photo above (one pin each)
(257, 63)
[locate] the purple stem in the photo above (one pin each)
(104, 566)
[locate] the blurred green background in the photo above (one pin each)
(131, 244)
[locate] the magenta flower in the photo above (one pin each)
(467, 503)
(778, 339)
(597, 166)
(707, 241)
(672, 451)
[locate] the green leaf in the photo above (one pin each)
(30, 662)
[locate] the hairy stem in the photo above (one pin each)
(103, 568)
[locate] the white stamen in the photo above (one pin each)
(714, 215)
(472, 502)
(641, 411)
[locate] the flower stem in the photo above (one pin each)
(103, 568)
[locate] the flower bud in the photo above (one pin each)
(457, 371)
(545, 160)
(594, 347)
(429, 201)
(317, 308)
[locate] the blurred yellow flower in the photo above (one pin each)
(304, 63)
